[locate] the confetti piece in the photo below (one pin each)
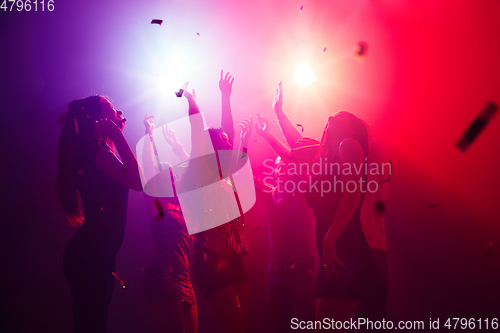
(362, 48)
(123, 283)
(198, 33)
(379, 208)
(294, 264)
(156, 21)
(477, 126)
(258, 228)
(302, 7)
(179, 93)
(124, 170)
(161, 212)
(434, 205)
(301, 127)
(488, 252)
(324, 50)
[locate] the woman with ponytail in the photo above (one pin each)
(92, 189)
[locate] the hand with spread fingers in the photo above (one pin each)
(246, 130)
(226, 83)
(169, 136)
(149, 123)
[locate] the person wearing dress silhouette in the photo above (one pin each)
(92, 189)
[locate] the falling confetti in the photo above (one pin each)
(198, 33)
(301, 127)
(258, 228)
(488, 252)
(324, 50)
(477, 126)
(156, 21)
(302, 7)
(434, 205)
(123, 283)
(362, 48)
(179, 93)
(379, 208)
(360, 51)
(161, 212)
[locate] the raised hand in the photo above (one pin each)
(169, 136)
(246, 130)
(226, 83)
(190, 96)
(278, 99)
(149, 123)
(262, 126)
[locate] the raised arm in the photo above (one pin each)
(263, 190)
(226, 87)
(246, 131)
(262, 128)
(201, 173)
(148, 158)
(177, 147)
(291, 133)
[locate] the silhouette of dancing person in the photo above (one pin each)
(92, 188)
(218, 259)
(167, 282)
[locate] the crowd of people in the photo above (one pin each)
(345, 226)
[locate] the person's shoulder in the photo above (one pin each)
(377, 153)
(350, 144)
(350, 151)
